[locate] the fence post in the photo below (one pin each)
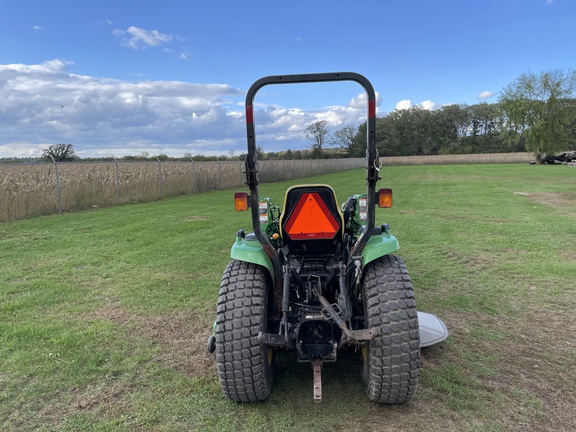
(117, 179)
(219, 174)
(193, 175)
(57, 183)
(160, 178)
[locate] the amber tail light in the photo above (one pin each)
(241, 201)
(385, 198)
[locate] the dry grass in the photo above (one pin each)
(180, 336)
(458, 159)
(27, 190)
(31, 189)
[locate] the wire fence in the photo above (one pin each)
(32, 189)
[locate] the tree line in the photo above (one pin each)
(453, 129)
(535, 113)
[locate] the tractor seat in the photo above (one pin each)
(311, 223)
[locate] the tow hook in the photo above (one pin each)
(317, 368)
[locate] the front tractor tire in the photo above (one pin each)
(244, 364)
(391, 361)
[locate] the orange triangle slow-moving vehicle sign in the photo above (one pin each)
(311, 219)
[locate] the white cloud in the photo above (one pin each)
(404, 104)
(427, 105)
(20, 149)
(339, 116)
(279, 128)
(46, 104)
(139, 38)
(182, 55)
(37, 27)
(56, 66)
(486, 95)
(360, 101)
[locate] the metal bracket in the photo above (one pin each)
(363, 334)
(350, 335)
(271, 339)
(251, 171)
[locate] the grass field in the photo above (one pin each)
(104, 314)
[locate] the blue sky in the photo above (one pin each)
(126, 77)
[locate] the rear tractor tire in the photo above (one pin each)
(244, 364)
(391, 361)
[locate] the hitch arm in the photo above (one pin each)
(351, 335)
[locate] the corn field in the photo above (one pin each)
(30, 190)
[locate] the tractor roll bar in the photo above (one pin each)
(252, 163)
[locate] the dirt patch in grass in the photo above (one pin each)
(113, 313)
(524, 359)
(95, 396)
(555, 199)
(568, 255)
(180, 337)
(177, 342)
(182, 341)
(473, 263)
(473, 219)
(196, 218)
(408, 212)
(565, 201)
(539, 366)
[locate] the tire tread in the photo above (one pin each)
(243, 369)
(393, 356)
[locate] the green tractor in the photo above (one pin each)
(315, 277)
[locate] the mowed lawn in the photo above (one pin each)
(104, 314)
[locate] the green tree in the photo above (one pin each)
(452, 124)
(538, 108)
(485, 132)
(406, 132)
(60, 153)
(317, 134)
(345, 139)
(260, 152)
(571, 141)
